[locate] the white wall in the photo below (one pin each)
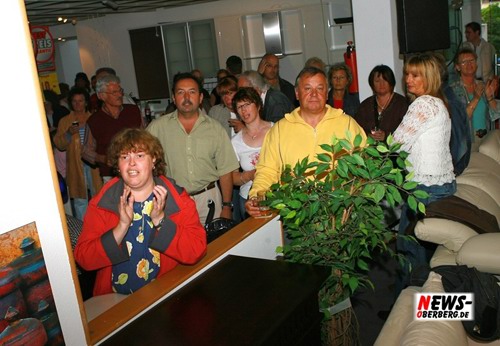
(104, 41)
(28, 189)
(68, 62)
(376, 41)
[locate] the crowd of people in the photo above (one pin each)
(145, 191)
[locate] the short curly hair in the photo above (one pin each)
(135, 140)
(340, 67)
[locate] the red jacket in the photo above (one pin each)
(181, 239)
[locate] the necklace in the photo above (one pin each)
(382, 108)
(257, 133)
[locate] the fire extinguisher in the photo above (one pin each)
(350, 60)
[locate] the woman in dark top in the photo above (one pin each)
(381, 113)
(340, 78)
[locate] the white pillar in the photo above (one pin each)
(376, 40)
(28, 173)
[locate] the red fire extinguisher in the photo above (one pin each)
(350, 60)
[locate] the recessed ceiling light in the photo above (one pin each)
(59, 19)
(65, 20)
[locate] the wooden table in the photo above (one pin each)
(239, 301)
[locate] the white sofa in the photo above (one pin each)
(479, 184)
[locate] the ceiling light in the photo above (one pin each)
(59, 19)
(65, 20)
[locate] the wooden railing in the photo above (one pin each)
(233, 242)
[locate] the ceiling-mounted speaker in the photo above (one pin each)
(423, 25)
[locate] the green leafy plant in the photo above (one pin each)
(331, 209)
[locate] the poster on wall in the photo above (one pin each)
(44, 48)
(27, 310)
(49, 81)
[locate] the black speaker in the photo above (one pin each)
(423, 25)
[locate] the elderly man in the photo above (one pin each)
(484, 51)
(111, 118)
(269, 68)
(276, 104)
(198, 151)
(301, 132)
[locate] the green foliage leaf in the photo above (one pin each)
(342, 168)
(412, 203)
(398, 177)
(327, 147)
(382, 148)
(379, 193)
(372, 152)
(359, 160)
(421, 207)
(420, 194)
(362, 264)
(410, 185)
(322, 168)
(346, 144)
(357, 140)
(324, 157)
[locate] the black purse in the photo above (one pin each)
(216, 227)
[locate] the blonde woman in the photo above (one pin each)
(425, 134)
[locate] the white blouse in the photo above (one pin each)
(248, 158)
(425, 134)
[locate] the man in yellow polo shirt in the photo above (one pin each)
(300, 133)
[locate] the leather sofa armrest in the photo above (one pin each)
(450, 234)
(482, 252)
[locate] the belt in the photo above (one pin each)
(206, 188)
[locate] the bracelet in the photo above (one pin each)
(158, 226)
(491, 99)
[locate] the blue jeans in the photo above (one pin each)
(417, 255)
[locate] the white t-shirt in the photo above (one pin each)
(248, 158)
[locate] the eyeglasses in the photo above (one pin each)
(115, 92)
(466, 62)
(243, 106)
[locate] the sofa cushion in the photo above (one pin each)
(484, 180)
(432, 333)
(449, 233)
(490, 145)
(482, 163)
(401, 314)
(443, 256)
(482, 252)
(479, 198)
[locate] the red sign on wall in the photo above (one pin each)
(43, 45)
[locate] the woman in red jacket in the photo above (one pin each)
(141, 224)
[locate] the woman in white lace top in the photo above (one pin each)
(425, 135)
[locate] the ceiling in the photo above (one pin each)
(46, 12)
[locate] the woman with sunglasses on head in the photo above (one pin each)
(424, 134)
(478, 97)
(248, 142)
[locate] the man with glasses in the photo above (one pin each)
(484, 51)
(111, 118)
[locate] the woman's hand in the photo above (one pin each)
(378, 135)
(74, 128)
(236, 124)
(478, 90)
(126, 213)
(159, 201)
(491, 88)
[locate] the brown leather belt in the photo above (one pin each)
(206, 188)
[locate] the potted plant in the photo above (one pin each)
(332, 214)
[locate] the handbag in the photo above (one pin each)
(216, 227)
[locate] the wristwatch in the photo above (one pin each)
(227, 204)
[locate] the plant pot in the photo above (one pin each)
(342, 328)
